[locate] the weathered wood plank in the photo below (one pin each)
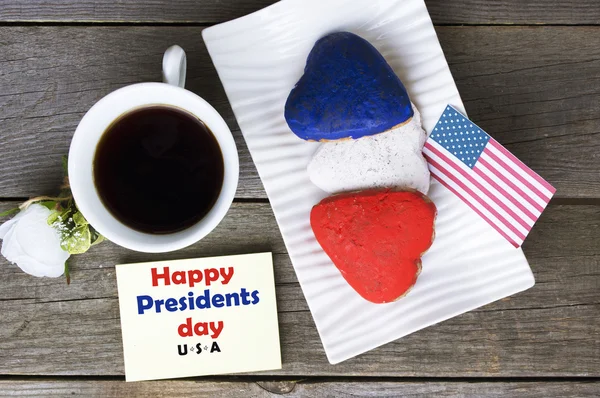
(291, 389)
(163, 11)
(50, 77)
(210, 11)
(532, 88)
(553, 329)
(531, 99)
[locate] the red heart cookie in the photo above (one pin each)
(376, 239)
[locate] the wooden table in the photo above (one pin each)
(528, 72)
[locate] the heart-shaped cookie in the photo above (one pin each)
(348, 90)
(376, 239)
(394, 159)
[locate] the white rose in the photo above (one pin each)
(32, 244)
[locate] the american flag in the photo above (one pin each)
(500, 188)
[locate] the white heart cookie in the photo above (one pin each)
(390, 159)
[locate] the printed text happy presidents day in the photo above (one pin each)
(195, 300)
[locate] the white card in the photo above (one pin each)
(198, 317)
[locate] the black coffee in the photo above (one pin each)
(158, 169)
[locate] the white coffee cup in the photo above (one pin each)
(108, 109)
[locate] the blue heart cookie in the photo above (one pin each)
(348, 90)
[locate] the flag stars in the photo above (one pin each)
(460, 137)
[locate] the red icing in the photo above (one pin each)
(376, 239)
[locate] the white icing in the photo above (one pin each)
(390, 159)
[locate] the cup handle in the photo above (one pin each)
(174, 66)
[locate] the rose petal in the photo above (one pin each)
(4, 228)
(31, 266)
(10, 247)
(34, 245)
(14, 253)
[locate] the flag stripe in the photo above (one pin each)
(497, 171)
(547, 188)
(482, 171)
(492, 153)
(442, 181)
(481, 190)
(483, 203)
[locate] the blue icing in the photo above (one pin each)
(347, 91)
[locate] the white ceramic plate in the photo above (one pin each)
(259, 58)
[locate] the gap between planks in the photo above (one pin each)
(443, 13)
(553, 202)
(26, 23)
(318, 379)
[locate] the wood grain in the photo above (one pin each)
(527, 95)
(533, 88)
(210, 11)
(553, 329)
(51, 76)
(291, 389)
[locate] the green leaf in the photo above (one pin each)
(9, 212)
(96, 237)
(99, 239)
(65, 165)
(76, 240)
(60, 219)
(79, 219)
(65, 217)
(53, 217)
(50, 204)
